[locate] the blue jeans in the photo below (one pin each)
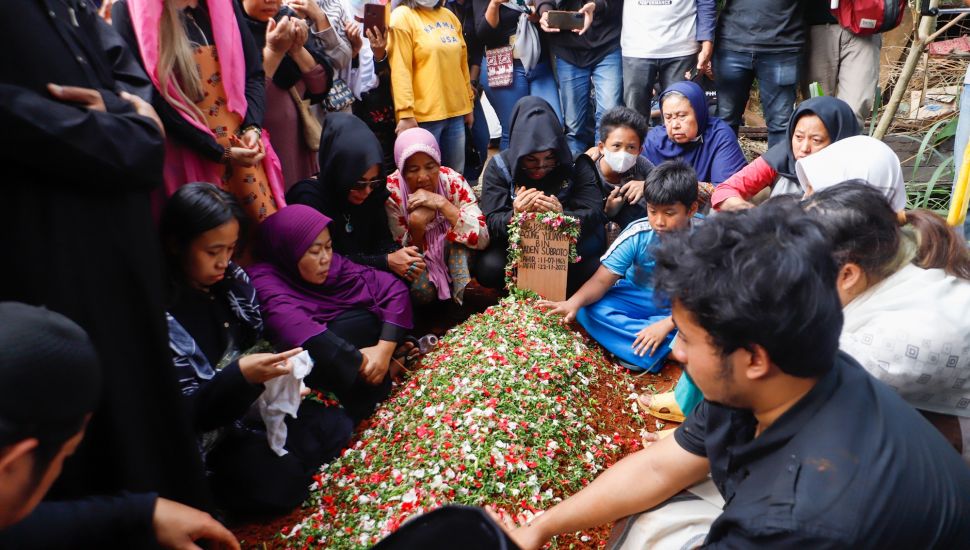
(959, 145)
(450, 135)
(538, 82)
(777, 75)
(574, 87)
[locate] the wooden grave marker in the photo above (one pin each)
(544, 262)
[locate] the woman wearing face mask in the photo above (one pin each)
(618, 167)
(351, 189)
(213, 319)
(348, 316)
(536, 174)
(689, 134)
(429, 75)
(433, 207)
(816, 123)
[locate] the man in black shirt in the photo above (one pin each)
(807, 449)
(760, 39)
(50, 381)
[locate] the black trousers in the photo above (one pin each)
(249, 479)
(337, 362)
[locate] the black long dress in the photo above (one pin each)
(78, 238)
(348, 148)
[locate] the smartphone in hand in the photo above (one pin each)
(374, 17)
(565, 20)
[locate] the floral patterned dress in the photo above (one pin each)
(470, 233)
(248, 184)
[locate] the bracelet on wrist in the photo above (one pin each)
(227, 155)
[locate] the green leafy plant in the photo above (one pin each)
(934, 193)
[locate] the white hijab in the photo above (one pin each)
(856, 157)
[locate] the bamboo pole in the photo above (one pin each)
(922, 38)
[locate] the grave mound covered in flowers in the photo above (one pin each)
(508, 411)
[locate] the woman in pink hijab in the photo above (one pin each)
(432, 207)
(210, 95)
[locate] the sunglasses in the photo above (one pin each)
(372, 184)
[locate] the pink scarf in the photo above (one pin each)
(419, 140)
(181, 164)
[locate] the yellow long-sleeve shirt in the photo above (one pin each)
(429, 65)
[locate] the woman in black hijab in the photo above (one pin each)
(536, 174)
(816, 123)
(351, 189)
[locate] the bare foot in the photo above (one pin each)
(649, 438)
(404, 359)
(644, 401)
(666, 407)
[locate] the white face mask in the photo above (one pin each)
(619, 161)
(430, 4)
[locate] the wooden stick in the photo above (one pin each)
(945, 28)
(926, 80)
(912, 60)
(920, 40)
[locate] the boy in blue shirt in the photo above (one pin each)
(616, 305)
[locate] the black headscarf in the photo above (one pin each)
(348, 148)
(288, 73)
(50, 377)
(534, 128)
(836, 115)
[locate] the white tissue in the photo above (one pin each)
(282, 397)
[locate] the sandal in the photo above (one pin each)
(663, 406)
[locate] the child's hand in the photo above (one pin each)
(650, 338)
(614, 202)
(632, 191)
(567, 309)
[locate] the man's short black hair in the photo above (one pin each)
(671, 182)
(623, 117)
(763, 276)
(50, 379)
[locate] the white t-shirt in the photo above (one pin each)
(659, 29)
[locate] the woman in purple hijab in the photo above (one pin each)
(348, 316)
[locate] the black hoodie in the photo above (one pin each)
(534, 128)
